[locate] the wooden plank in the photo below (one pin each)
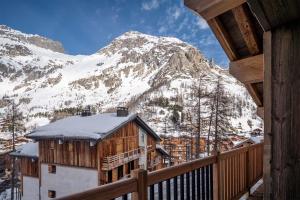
(248, 70)
(274, 13)
(170, 172)
(260, 111)
(108, 191)
(247, 29)
(223, 37)
(259, 13)
(267, 114)
(254, 94)
(141, 176)
(210, 9)
(285, 112)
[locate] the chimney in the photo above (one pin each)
(86, 111)
(122, 111)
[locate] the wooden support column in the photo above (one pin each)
(267, 115)
(216, 179)
(141, 176)
(285, 111)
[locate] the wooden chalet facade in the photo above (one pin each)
(262, 41)
(99, 149)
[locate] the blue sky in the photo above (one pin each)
(84, 26)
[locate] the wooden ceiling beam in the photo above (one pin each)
(248, 70)
(274, 13)
(247, 29)
(210, 9)
(223, 37)
(254, 94)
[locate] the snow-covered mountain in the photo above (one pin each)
(135, 69)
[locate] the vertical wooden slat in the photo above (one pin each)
(188, 194)
(175, 188)
(207, 181)
(168, 189)
(198, 184)
(202, 183)
(182, 187)
(211, 181)
(193, 185)
(125, 197)
(152, 192)
(160, 191)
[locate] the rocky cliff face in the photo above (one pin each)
(134, 70)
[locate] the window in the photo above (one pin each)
(109, 176)
(52, 169)
(51, 194)
(120, 172)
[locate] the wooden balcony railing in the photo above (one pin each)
(224, 176)
(112, 162)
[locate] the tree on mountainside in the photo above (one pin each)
(222, 112)
(196, 111)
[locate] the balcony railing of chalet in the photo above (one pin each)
(225, 176)
(111, 162)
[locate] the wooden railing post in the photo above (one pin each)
(216, 178)
(248, 170)
(141, 176)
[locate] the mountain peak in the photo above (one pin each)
(34, 39)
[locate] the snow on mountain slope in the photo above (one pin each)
(133, 70)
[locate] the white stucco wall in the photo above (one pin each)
(67, 180)
(30, 188)
(143, 143)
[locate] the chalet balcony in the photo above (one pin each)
(228, 175)
(154, 162)
(111, 162)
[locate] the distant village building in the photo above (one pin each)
(181, 148)
(82, 152)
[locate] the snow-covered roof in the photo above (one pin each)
(92, 127)
(254, 140)
(27, 150)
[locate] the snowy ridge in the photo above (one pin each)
(135, 70)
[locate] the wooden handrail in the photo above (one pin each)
(229, 174)
(107, 191)
(170, 172)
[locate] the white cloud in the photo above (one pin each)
(150, 5)
(176, 13)
(202, 23)
(162, 29)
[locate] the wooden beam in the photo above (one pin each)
(260, 111)
(223, 37)
(248, 70)
(210, 9)
(285, 111)
(274, 13)
(247, 29)
(257, 10)
(267, 114)
(253, 93)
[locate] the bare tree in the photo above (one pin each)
(195, 111)
(222, 111)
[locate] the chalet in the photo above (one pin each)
(27, 157)
(182, 148)
(82, 152)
